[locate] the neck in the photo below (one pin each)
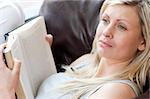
(108, 66)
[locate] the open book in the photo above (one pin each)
(27, 43)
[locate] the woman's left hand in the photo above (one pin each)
(8, 78)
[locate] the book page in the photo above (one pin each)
(35, 54)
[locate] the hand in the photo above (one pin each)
(8, 78)
(49, 39)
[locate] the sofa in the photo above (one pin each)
(73, 24)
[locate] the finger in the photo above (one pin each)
(16, 68)
(49, 39)
(2, 46)
(16, 73)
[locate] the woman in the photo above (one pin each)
(117, 65)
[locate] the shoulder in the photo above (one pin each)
(82, 59)
(114, 91)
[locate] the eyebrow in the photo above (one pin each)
(127, 22)
(106, 15)
(122, 20)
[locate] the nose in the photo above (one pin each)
(108, 31)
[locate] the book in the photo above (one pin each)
(27, 43)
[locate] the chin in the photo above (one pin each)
(101, 52)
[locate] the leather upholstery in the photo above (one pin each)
(72, 24)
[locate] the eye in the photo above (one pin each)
(122, 27)
(105, 21)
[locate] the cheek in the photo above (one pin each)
(99, 30)
(127, 47)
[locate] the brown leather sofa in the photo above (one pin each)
(72, 24)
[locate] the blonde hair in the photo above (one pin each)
(136, 71)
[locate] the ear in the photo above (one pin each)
(142, 45)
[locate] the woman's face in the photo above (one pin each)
(119, 33)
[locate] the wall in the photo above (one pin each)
(30, 7)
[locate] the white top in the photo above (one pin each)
(47, 89)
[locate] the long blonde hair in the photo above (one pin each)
(137, 70)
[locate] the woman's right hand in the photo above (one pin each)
(8, 78)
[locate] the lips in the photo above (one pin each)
(105, 43)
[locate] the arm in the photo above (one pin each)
(8, 78)
(114, 91)
(7, 94)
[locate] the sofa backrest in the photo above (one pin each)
(72, 24)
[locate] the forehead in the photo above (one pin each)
(129, 13)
